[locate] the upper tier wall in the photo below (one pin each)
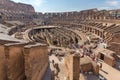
(7, 5)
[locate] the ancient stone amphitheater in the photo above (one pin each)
(26, 38)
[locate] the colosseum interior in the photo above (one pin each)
(78, 45)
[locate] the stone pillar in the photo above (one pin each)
(72, 63)
(36, 61)
(3, 72)
(15, 61)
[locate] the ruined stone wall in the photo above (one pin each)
(23, 63)
(36, 62)
(86, 67)
(108, 59)
(115, 47)
(10, 10)
(15, 61)
(72, 63)
(3, 73)
(10, 6)
(76, 17)
(95, 67)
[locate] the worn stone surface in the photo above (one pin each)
(108, 59)
(15, 7)
(15, 61)
(20, 63)
(3, 74)
(36, 62)
(72, 63)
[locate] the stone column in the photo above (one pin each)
(36, 61)
(72, 63)
(3, 72)
(76, 64)
(15, 61)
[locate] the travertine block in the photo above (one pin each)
(15, 61)
(36, 61)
